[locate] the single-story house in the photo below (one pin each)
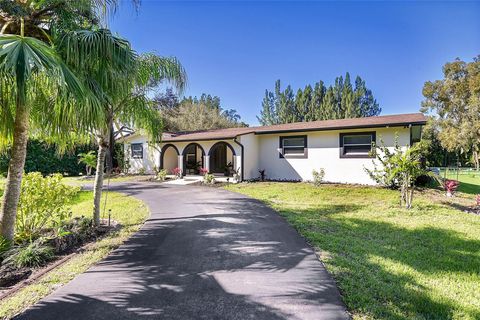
(285, 151)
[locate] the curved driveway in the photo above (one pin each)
(204, 253)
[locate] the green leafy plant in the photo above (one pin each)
(383, 164)
(4, 246)
(89, 159)
(33, 254)
(235, 174)
(398, 168)
(162, 175)
(209, 178)
(318, 176)
(43, 203)
(177, 172)
(142, 171)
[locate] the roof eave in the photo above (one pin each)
(399, 124)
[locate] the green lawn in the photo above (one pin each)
(130, 212)
(79, 181)
(390, 263)
(469, 180)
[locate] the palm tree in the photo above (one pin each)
(26, 64)
(89, 159)
(33, 77)
(135, 107)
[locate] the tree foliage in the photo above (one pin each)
(398, 167)
(455, 103)
(338, 101)
(193, 113)
(47, 158)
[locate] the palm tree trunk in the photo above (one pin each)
(111, 149)
(15, 172)
(97, 187)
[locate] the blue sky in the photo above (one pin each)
(236, 50)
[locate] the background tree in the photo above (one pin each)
(340, 100)
(193, 113)
(455, 101)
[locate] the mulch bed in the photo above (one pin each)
(13, 279)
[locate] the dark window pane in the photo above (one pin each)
(353, 150)
(416, 132)
(137, 150)
(294, 142)
(357, 139)
(294, 150)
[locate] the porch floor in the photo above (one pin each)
(191, 179)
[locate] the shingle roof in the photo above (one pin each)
(368, 122)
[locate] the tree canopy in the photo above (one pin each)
(318, 102)
(193, 113)
(455, 105)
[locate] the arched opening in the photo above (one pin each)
(193, 155)
(169, 158)
(222, 158)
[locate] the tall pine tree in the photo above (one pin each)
(338, 101)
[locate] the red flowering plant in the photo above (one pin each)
(450, 186)
(177, 172)
(203, 171)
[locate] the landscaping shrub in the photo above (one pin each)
(162, 175)
(4, 246)
(43, 204)
(398, 168)
(203, 171)
(142, 171)
(318, 176)
(450, 186)
(44, 157)
(177, 172)
(262, 174)
(33, 254)
(209, 178)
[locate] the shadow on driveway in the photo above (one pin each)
(204, 253)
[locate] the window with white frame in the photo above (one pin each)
(293, 146)
(356, 145)
(137, 150)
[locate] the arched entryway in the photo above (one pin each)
(193, 156)
(222, 158)
(169, 158)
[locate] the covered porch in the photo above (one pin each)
(221, 158)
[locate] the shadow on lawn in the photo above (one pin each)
(354, 246)
(232, 258)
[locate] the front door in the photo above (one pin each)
(218, 159)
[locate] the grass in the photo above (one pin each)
(389, 262)
(130, 212)
(469, 180)
(79, 181)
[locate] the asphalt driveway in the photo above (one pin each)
(204, 253)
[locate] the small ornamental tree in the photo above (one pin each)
(398, 168)
(89, 159)
(383, 164)
(406, 169)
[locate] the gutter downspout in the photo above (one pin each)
(243, 161)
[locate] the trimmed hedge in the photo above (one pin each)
(43, 157)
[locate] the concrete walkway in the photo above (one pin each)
(204, 253)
